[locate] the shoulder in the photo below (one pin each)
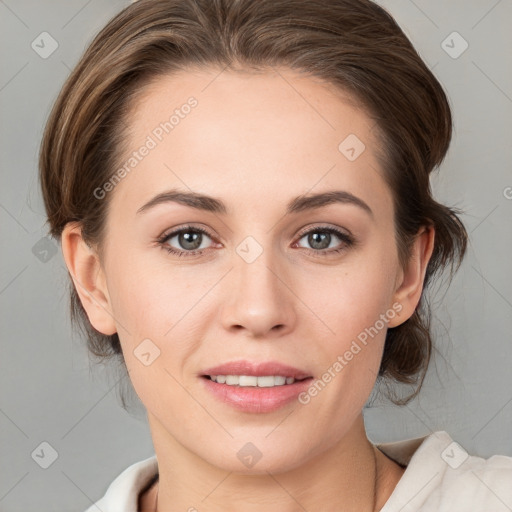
(442, 476)
(475, 483)
(122, 494)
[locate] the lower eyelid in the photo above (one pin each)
(343, 237)
(346, 241)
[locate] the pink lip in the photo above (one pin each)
(243, 367)
(256, 399)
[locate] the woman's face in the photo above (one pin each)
(267, 279)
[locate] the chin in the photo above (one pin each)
(254, 457)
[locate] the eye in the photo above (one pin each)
(320, 239)
(188, 241)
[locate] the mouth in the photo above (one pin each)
(262, 381)
(256, 387)
(248, 373)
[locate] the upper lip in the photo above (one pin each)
(242, 367)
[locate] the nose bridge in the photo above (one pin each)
(259, 300)
(256, 268)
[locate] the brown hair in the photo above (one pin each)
(354, 45)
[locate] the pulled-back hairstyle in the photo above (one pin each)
(355, 45)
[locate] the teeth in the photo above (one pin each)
(247, 380)
(265, 381)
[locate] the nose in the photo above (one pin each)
(259, 298)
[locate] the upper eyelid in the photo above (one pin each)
(324, 227)
(337, 231)
(174, 231)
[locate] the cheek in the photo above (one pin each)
(153, 300)
(351, 299)
(142, 302)
(148, 295)
(150, 308)
(356, 305)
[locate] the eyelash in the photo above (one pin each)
(347, 240)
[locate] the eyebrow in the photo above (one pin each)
(214, 205)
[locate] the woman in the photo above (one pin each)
(241, 190)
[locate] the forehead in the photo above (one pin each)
(273, 134)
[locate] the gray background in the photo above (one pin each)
(49, 393)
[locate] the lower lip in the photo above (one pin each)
(256, 399)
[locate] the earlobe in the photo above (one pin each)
(410, 286)
(88, 277)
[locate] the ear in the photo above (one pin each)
(83, 264)
(411, 278)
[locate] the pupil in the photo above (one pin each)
(190, 240)
(319, 240)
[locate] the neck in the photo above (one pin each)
(350, 476)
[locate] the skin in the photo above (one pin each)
(255, 141)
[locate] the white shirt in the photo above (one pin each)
(440, 477)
